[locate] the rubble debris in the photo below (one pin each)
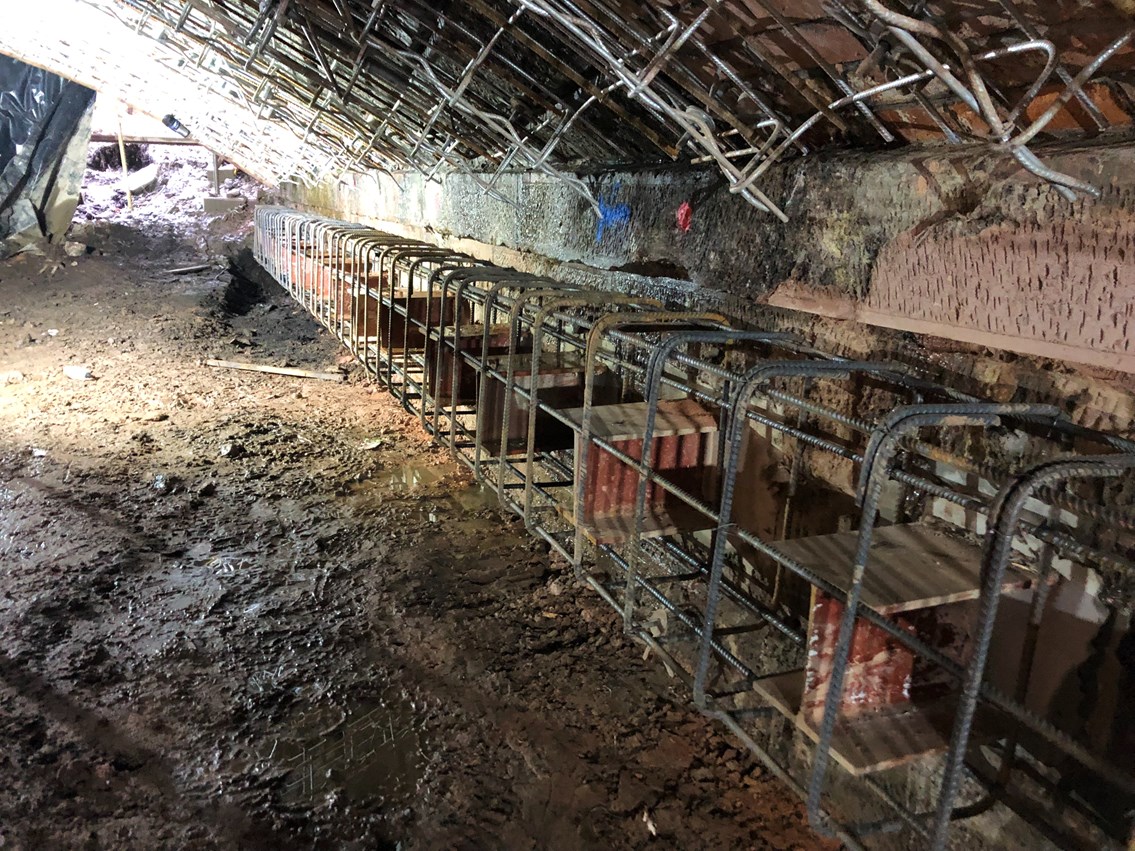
(142, 181)
(78, 373)
(649, 822)
(231, 449)
(173, 206)
(105, 157)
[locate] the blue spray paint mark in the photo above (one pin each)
(611, 216)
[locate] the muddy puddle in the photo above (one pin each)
(375, 751)
(409, 477)
(422, 480)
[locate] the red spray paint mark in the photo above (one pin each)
(685, 216)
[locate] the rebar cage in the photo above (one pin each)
(869, 577)
(548, 86)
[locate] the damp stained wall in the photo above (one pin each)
(954, 245)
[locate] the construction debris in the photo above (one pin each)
(142, 181)
(231, 450)
(44, 131)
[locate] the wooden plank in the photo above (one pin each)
(276, 370)
(658, 521)
(560, 385)
(144, 140)
(476, 329)
(876, 741)
(627, 421)
(881, 671)
(684, 460)
(556, 370)
(469, 339)
(909, 566)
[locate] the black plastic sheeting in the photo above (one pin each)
(40, 115)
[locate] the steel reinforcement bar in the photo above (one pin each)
(864, 574)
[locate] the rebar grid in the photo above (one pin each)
(714, 595)
(546, 86)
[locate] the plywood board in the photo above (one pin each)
(909, 566)
(877, 741)
(627, 421)
(658, 521)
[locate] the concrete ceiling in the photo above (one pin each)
(312, 89)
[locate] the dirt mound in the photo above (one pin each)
(247, 286)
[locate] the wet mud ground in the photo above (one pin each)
(248, 611)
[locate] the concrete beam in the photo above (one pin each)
(143, 140)
(220, 206)
(960, 246)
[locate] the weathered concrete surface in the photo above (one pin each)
(960, 246)
(220, 206)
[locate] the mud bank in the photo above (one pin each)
(252, 611)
